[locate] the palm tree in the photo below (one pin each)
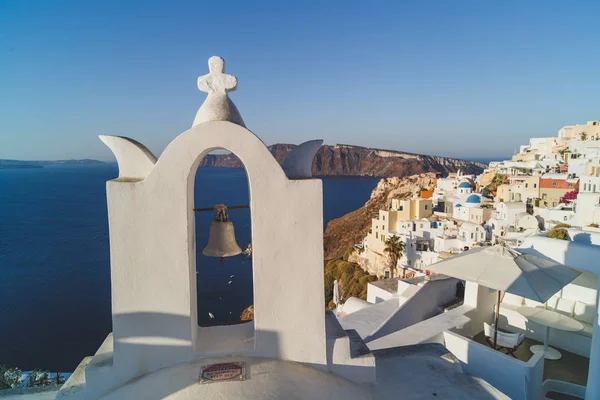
(394, 247)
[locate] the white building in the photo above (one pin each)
(464, 188)
(467, 235)
(591, 128)
(542, 148)
(507, 212)
(471, 209)
(561, 214)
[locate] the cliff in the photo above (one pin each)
(343, 233)
(361, 161)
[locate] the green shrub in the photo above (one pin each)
(37, 377)
(558, 233)
(497, 180)
(348, 253)
(9, 377)
(353, 280)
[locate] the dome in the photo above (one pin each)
(354, 304)
(473, 199)
(458, 205)
(268, 378)
(464, 185)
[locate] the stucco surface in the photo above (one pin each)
(153, 260)
(266, 379)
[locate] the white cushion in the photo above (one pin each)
(584, 312)
(565, 306)
(533, 303)
(588, 330)
(510, 298)
(551, 303)
(582, 289)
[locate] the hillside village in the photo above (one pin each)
(551, 187)
(508, 255)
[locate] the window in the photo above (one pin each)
(387, 274)
(594, 188)
(376, 235)
(426, 206)
(544, 196)
(526, 185)
(553, 183)
(383, 238)
(570, 185)
(535, 185)
(401, 208)
(471, 235)
(384, 217)
(553, 204)
(421, 225)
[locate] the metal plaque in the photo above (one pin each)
(231, 371)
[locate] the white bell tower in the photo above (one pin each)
(153, 257)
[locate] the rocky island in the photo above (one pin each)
(348, 160)
(22, 164)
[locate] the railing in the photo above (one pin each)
(562, 387)
(517, 379)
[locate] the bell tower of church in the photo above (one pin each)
(153, 259)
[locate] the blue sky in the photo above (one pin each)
(455, 78)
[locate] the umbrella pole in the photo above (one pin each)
(496, 322)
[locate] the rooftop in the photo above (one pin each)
(474, 199)
(390, 285)
(427, 371)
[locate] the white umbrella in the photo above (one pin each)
(336, 292)
(506, 270)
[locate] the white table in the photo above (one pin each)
(550, 319)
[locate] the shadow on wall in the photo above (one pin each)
(145, 342)
(152, 327)
(583, 238)
(159, 343)
(517, 379)
(434, 362)
(541, 222)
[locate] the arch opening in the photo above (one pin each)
(224, 287)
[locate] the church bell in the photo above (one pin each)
(221, 238)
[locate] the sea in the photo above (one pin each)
(54, 257)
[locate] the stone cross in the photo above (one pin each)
(217, 81)
(217, 106)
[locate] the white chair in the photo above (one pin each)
(508, 341)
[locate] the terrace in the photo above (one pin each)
(571, 368)
(528, 375)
